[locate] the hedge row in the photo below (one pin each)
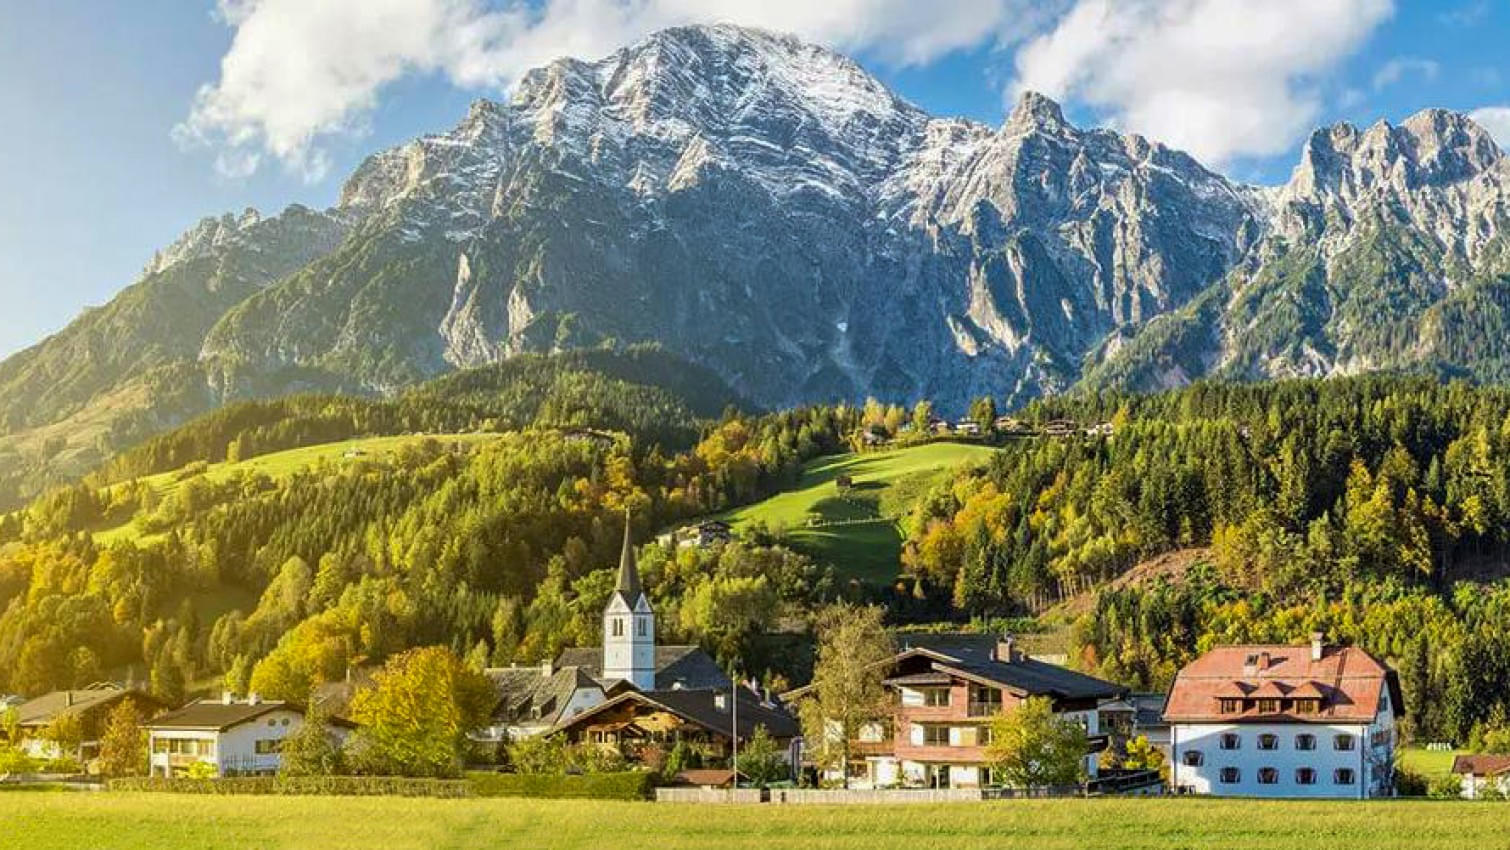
(631, 785)
(634, 785)
(349, 786)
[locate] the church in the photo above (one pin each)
(631, 691)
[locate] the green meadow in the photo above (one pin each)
(856, 530)
(42, 821)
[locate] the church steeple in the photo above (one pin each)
(629, 572)
(629, 624)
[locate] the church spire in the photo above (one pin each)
(629, 573)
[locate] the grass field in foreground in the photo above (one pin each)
(164, 822)
(868, 543)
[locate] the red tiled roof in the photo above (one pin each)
(1481, 765)
(1350, 679)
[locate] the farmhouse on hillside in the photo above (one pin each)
(1284, 721)
(233, 737)
(537, 699)
(91, 706)
(948, 689)
(644, 725)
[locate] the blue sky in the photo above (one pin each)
(96, 177)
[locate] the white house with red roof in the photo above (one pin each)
(1284, 721)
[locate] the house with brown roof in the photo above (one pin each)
(1284, 721)
(947, 688)
(536, 699)
(233, 737)
(91, 706)
(1480, 771)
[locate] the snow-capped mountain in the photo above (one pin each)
(766, 208)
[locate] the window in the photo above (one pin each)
(1342, 742)
(618, 626)
(640, 626)
(1232, 706)
(1268, 706)
(1231, 741)
(1307, 706)
(267, 746)
(1305, 776)
(936, 736)
(1193, 758)
(271, 722)
(1231, 776)
(1305, 741)
(1268, 776)
(936, 697)
(1343, 776)
(1268, 742)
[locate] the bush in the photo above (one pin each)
(1447, 786)
(334, 786)
(628, 785)
(13, 760)
(1409, 783)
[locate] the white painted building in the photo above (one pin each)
(234, 737)
(1284, 721)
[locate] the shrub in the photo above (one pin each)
(1448, 786)
(1409, 783)
(346, 786)
(628, 785)
(13, 760)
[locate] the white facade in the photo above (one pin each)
(629, 642)
(1345, 760)
(250, 747)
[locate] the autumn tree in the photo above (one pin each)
(761, 761)
(1032, 748)
(415, 717)
(123, 745)
(311, 750)
(847, 691)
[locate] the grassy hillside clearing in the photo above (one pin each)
(41, 821)
(285, 463)
(856, 530)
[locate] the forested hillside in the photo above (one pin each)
(498, 547)
(1375, 509)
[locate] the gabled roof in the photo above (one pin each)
(973, 657)
(46, 708)
(215, 715)
(1481, 764)
(675, 666)
(527, 694)
(1349, 681)
(699, 707)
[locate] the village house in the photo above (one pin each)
(948, 688)
(1284, 721)
(234, 737)
(968, 427)
(1137, 715)
(1481, 771)
(91, 706)
(538, 699)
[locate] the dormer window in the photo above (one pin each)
(618, 626)
(1231, 706)
(1268, 706)
(640, 627)
(1307, 706)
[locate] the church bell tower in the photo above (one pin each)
(629, 626)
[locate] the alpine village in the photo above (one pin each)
(705, 444)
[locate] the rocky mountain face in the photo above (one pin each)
(766, 208)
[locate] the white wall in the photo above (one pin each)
(236, 748)
(1286, 759)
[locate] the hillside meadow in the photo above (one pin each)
(39, 821)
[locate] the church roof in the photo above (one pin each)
(675, 666)
(628, 586)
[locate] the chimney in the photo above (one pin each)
(1318, 645)
(1006, 649)
(226, 697)
(547, 667)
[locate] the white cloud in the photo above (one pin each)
(1396, 69)
(1495, 119)
(298, 71)
(1223, 79)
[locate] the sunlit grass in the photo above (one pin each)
(167, 822)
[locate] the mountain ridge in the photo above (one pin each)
(765, 208)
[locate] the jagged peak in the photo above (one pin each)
(1431, 147)
(1034, 110)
